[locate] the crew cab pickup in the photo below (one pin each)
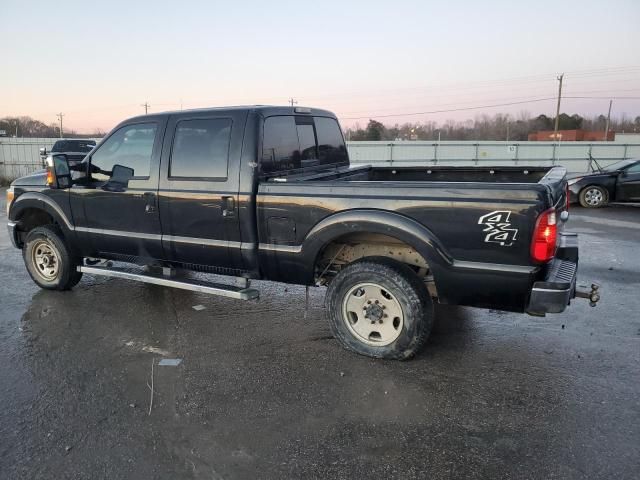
(268, 193)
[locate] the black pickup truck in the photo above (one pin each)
(268, 193)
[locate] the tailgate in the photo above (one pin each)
(556, 182)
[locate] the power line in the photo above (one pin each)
(479, 107)
(607, 98)
(535, 100)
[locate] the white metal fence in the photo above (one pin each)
(575, 156)
(20, 156)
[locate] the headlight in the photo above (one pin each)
(574, 180)
(10, 196)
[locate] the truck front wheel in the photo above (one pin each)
(48, 259)
(379, 307)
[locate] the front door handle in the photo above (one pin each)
(150, 202)
(228, 206)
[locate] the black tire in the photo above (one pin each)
(403, 287)
(593, 196)
(46, 245)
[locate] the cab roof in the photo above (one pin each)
(264, 110)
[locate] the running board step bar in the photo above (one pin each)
(240, 293)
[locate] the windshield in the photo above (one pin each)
(82, 146)
(618, 165)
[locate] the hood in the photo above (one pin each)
(38, 178)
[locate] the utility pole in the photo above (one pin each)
(146, 107)
(293, 101)
(60, 115)
(606, 127)
(555, 129)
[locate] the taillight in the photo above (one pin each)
(543, 243)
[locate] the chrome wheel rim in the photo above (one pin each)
(45, 259)
(593, 196)
(372, 314)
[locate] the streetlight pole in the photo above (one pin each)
(555, 129)
(606, 127)
(60, 115)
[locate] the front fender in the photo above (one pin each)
(41, 202)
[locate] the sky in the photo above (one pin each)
(394, 61)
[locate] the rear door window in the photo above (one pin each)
(201, 149)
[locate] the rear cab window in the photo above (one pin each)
(299, 142)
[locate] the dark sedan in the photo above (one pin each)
(618, 182)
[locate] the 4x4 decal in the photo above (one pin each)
(498, 228)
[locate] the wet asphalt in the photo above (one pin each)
(264, 391)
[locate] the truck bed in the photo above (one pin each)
(455, 205)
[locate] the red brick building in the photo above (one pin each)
(571, 136)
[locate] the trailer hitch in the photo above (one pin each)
(592, 295)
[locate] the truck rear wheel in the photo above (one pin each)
(378, 307)
(48, 259)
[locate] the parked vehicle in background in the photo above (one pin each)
(618, 182)
(268, 193)
(74, 149)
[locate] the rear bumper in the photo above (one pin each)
(13, 233)
(553, 294)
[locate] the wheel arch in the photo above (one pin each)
(32, 209)
(368, 221)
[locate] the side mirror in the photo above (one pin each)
(121, 174)
(119, 180)
(58, 172)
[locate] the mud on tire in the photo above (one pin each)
(48, 259)
(380, 308)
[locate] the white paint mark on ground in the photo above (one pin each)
(170, 362)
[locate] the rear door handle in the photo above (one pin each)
(228, 206)
(150, 202)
